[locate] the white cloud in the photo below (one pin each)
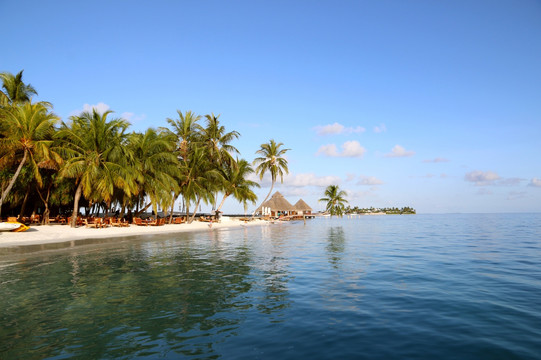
(379, 129)
(350, 176)
(100, 108)
(535, 182)
(369, 180)
(329, 150)
(310, 179)
(336, 128)
(436, 160)
(349, 149)
(133, 118)
(399, 151)
(482, 178)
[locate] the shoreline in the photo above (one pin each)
(58, 234)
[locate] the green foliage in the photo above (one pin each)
(335, 199)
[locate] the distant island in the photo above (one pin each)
(387, 211)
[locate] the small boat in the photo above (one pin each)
(13, 226)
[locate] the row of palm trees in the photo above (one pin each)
(93, 159)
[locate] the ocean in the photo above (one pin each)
(445, 286)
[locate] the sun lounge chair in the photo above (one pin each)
(92, 223)
(138, 221)
(178, 220)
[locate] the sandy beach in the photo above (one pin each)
(49, 234)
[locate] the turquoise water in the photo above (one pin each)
(373, 287)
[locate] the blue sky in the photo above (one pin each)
(429, 104)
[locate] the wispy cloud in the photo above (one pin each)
(436, 160)
(399, 151)
(535, 182)
(380, 128)
(484, 191)
(369, 181)
(514, 195)
(133, 118)
(482, 178)
(349, 149)
(310, 179)
(490, 178)
(336, 128)
(100, 108)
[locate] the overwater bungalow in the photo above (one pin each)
(276, 206)
(302, 208)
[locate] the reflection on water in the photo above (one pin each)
(336, 244)
(372, 287)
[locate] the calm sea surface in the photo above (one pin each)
(372, 287)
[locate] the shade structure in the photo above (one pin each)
(276, 204)
(302, 207)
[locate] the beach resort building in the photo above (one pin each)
(278, 206)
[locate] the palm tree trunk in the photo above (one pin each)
(272, 185)
(187, 211)
(12, 181)
(137, 213)
(25, 201)
(222, 203)
(76, 204)
(172, 209)
(195, 211)
(46, 212)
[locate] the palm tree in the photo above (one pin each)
(14, 89)
(27, 130)
(271, 161)
(156, 165)
(97, 157)
(335, 199)
(235, 182)
(186, 129)
(198, 179)
(217, 141)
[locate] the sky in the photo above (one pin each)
(434, 105)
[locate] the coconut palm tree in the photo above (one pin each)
(26, 137)
(198, 180)
(156, 165)
(217, 140)
(236, 183)
(97, 157)
(335, 199)
(186, 128)
(272, 160)
(14, 90)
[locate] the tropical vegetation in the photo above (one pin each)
(335, 199)
(92, 161)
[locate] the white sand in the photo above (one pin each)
(46, 234)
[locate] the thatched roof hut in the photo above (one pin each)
(276, 204)
(302, 207)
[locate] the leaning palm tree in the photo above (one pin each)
(96, 157)
(335, 199)
(236, 183)
(14, 90)
(26, 136)
(272, 160)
